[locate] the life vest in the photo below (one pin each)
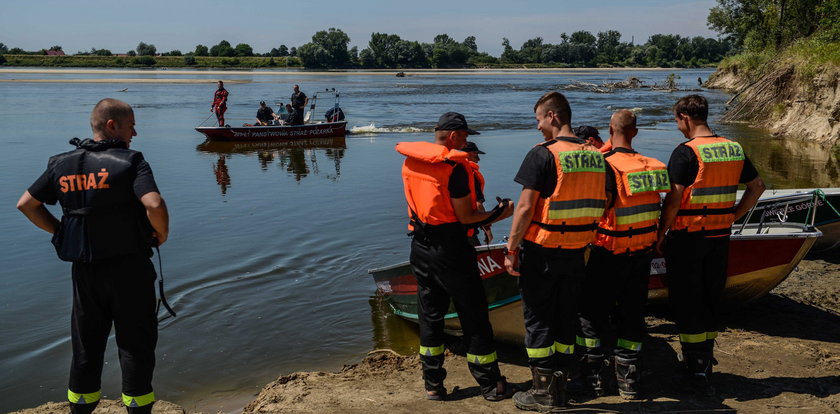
(480, 178)
(220, 97)
(568, 218)
(102, 218)
(630, 224)
(708, 204)
(426, 172)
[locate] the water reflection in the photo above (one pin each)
(791, 163)
(298, 157)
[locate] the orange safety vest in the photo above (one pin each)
(568, 218)
(426, 173)
(630, 224)
(480, 177)
(708, 204)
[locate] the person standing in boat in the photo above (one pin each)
(473, 156)
(299, 102)
(697, 215)
(440, 193)
(562, 200)
(113, 215)
(619, 262)
(220, 103)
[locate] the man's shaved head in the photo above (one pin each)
(623, 120)
(106, 109)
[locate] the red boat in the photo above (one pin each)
(334, 127)
(760, 257)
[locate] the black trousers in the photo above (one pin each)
(614, 279)
(446, 268)
(550, 284)
(118, 291)
(697, 268)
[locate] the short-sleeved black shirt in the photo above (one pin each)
(265, 114)
(538, 170)
(298, 99)
(45, 189)
(683, 167)
(459, 186)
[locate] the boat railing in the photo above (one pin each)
(778, 208)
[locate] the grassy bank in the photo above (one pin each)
(807, 55)
(149, 61)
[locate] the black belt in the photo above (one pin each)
(627, 233)
(570, 228)
(705, 211)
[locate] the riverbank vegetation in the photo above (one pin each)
(786, 76)
(329, 49)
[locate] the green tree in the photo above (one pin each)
(761, 24)
(327, 49)
(100, 52)
(189, 60)
(532, 50)
(131, 53)
(146, 50)
(244, 49)
(509, 54)
(283, 50)
(201, 50)
(608, 45)
(222, 49)
(3, 49)
(55, 48)
(293, 51)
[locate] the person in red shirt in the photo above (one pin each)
(220, 103)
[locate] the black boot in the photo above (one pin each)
(699, 372)
(83, 408)
(146, 409)
(544, 393)
(627, 376)
(590, 379)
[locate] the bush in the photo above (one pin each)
(2, 59)
(144, 60)
(230, 62)
(189, 60)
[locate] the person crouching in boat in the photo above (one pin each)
(265, 115)
(619, 263)
(439, 189)
(473, 155)
(561, 202)
(698, 214)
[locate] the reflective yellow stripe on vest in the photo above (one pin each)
(431, 350)
(636, 214)
(138, 401)
(627, 344)
(88, 398)
(576, 208)
(564, 349)
(540, 352)
(482, 359)
(711, 335)
(693, 338)
(709, 195)
(588, 342)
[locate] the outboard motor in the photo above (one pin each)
(335, 114)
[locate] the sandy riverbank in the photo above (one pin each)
(777, 355)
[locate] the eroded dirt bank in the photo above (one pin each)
(785, 98)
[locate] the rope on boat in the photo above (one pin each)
(821, 194)
(205, 120)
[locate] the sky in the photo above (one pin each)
(117, 25)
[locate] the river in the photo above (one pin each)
(267, 260)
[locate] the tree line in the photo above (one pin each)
(330, 49)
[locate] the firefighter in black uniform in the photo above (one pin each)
(112, 215)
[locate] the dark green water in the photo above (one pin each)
(270, 245)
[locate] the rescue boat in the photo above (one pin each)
(311, 128)
(761, 255)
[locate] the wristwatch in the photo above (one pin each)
(507, 252)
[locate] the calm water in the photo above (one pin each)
(270, 245)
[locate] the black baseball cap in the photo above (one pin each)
(471, 147)
(262, 102)
(453, 121)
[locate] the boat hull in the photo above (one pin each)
(269, 133)
(750, 276)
